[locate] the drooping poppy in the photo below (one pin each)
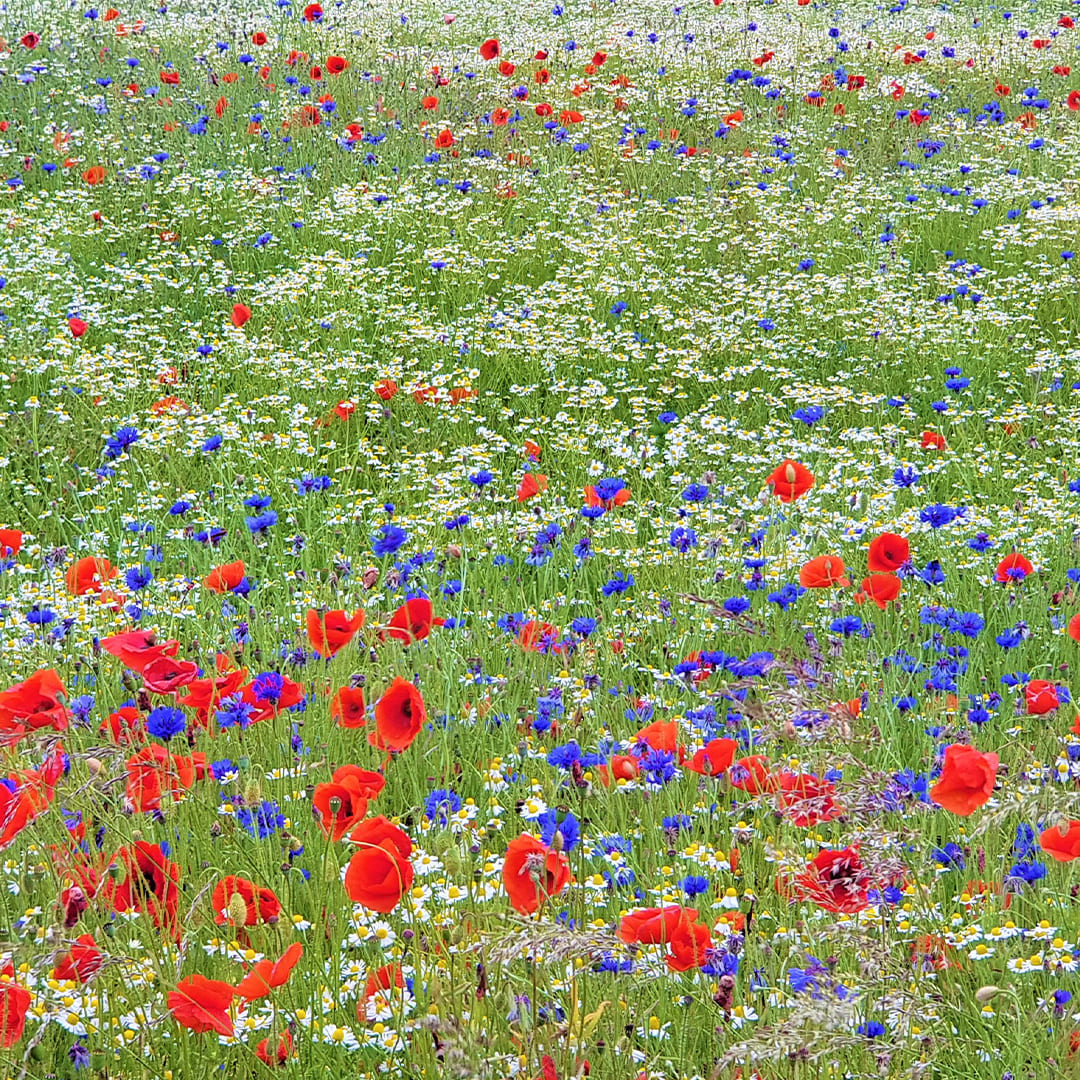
(790, 480)
(411, 622)
(824, 572)
(888, 553)
(268, 975)
(399, 716)
(279, 1055)
(715, 758)
(223, 579)
(532, 873)
(836, 881)
(489, 49)
(89, 575)
(330, 633)
(1041, 697)
(34, 703)
(166, 674)
(348, 706)
(752, 775)
(202, 1004)
(967, 779)
(380, 873)
(260, 905)
(1013, 568)
(882, 589)
(1062, 846)
(14, 1003)
(81, 961)
(240, 315)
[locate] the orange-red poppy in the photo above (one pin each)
(790, 480)
(533, 873)
(260, 903)
(824, 572)
(349, 708)
(225, 578)
(267, 975)
(202, 1004)
(967, 779)
(882, 589)
(330, 633)
(399, 716)
(89, 575)
(888, 552)
(380, 873)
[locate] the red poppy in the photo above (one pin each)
(166, 675)
(203, 695)
(532, 873)
(500, 117)
(336, 64)
(89, 575)
(365, 782)
(888, 552)
(351, 805)
(1062, 846)
(94, 175)
(268, 975)
(80, 962)
(260, 903)
(489, 49)
(444, 139)
(349, 707)
(34, 703)
(152, 771)
(1041, 697)
(931, 440)
(531, 484)
(570, 116)
(790, 480)
(399, 716)
(137, 648)
(660, 735)
(1073, 627)
(124, 726)
(967, 779)
(280, 1055)
(543, 109)
(380, 873)
(882, 589)
(259, 38)
(824, 572)
(151, 884)
(506, 68)
(688, 945)
(652, 926)
(1013, 568)
(835, 881)
(14, 1002)
(388, 977)
(537, 636)
(313, 12)
(751, 774)
(386, 388)
(411, 622)
(202, 1004)
(266, 708)
(225, 578)
(77, 327)
(240, 314)
(30, 40)
(169, 78)
(715, 758)
(806, 801)
(330, 633)
(619, 767)
(10, 542)
(429, 102)
(620, 498)
(1073, 100)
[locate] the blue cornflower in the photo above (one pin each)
(683, 539)
(905, 477)
(117, 443)
(261, 522)
(263, 820)
(568, 828)
(388, 540)
(871, 1029)
(138, 577)
(268, 686)
(618, 584)
(809, 415)
(165, 722)
(40, 616)
(736, 605)
(583, 627)
(440, 804)
(694, 885)
(234, 711)
(695, 493)
(212, 444)
(937, 515)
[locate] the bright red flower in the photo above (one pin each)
(352, 787)
(89, 575)
(151, 884)
(268, 975)
(1073, 100)
(80, 962)
(330, 633)
(10, 542)
(531, 484)
(1062, 846)
(260, 903)
(1013, 568)
(34, 703)
(30, 40)
(349, 707)
(336, 64)
(411, 622)
(387, 388)
(202, 1004)
(399, 716)
(888, 552)
(532, 873)
(882, 589)
(824, 572)
(380, 873)
(1041, 697)
(77, 327)
(444, 139)
(619, 767)
(688, 945)
(223, 579)
(652, 926)
(751, 774)
(489, 49)
(931, 440)
(835, 881)
(715, 758)
(166, 675)
(137, 648)
(806, 801)
(313, 12)
(967, 779)
(240, 314)
(790, 480)
(280, 1055)
(124, 726)
(14, 1002)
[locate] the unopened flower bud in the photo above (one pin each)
(237, 910)
(986, 993)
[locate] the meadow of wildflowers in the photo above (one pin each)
(540, 540)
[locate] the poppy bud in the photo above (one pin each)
(335, 806)
(94, 766)
(454, 551)
(370, 577)
(243, 764)
(986, 993)
(253, 793)
(790, 474)
(237, 910)
(558, 841)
